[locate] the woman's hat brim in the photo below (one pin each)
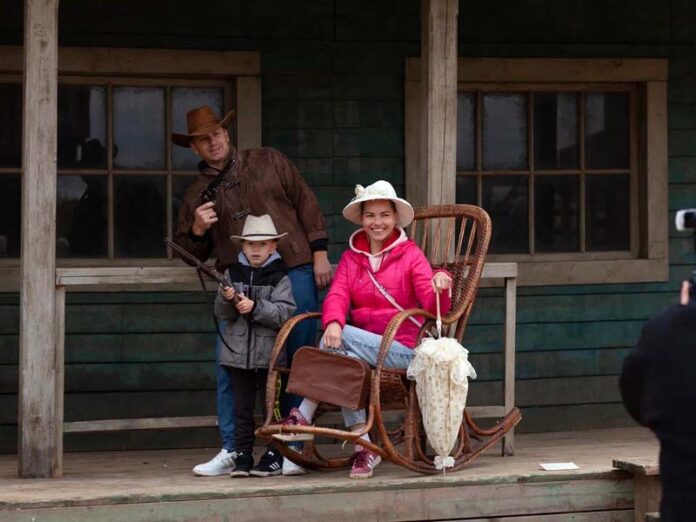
(404, 210)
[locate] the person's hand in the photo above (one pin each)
(442, 281)
(204, 218)
(322, 269)
(684, 293)
(244, 305)
(332, 336)
(228, 292)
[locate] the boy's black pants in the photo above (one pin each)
(245, 385)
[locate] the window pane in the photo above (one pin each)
(11, 128)
(608, 212)
(556, 131)
(183, 100)
(504, 131)
(505, 199)
(139, 127)
(556, 213)
(139, 216)
(466, 190)
(466, 155)
(81, 229)
(81, 127)
(607, 130)
(10, 217)
(179, 186)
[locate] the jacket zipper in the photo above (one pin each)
(248, 319)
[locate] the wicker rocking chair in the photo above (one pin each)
(454, 237)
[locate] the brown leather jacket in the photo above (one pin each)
(262, 181)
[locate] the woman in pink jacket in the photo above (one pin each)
(382, 269)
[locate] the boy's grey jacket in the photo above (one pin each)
(253, 335)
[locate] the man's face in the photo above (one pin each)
(213, 148)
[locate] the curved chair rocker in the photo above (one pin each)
(454, 237)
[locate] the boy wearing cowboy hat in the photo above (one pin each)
(256, 181)
(264, 303)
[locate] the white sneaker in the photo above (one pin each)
(220, 464)
(290, 468)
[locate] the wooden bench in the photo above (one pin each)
(647, 489)
(652, 517)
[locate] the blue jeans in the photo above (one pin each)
(364, 345)
(304, 291)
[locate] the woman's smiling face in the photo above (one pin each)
(378, 219)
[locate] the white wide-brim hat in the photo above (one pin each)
(378, 190)
(259, 228)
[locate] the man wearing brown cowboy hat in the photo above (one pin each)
(256, 181)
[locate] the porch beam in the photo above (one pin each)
(39, 422)
(438, 147)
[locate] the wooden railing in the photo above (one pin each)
(178, 278)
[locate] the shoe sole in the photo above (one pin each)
(293, 437)
(295, 472)
(365, 475)
(239, 474)
(265, 473)
(206, 474)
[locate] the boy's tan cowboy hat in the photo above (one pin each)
(259, 228)
(201, 121)
(378, 190)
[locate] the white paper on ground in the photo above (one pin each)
(558, 466)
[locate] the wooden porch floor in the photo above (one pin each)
(158, 485)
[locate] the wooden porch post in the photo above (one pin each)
(438, 101)
(39, 425)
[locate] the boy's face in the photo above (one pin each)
(257, 252)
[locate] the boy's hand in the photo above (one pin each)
(228, 292)
(244, 305)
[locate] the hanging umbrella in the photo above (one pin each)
(441, 369)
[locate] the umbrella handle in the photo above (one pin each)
(438, 321)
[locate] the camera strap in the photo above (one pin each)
(212, 305)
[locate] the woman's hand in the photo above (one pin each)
(332, 336)
(442, 281)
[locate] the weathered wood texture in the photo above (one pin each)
(38, 415)
(647, 487)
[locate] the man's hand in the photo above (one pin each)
(322, 269)
(684, 293)
(244, 305)
(332, 336)
(205, 217)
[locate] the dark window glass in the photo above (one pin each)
(139, 127)
(179, 186)
(504, 131)
(556, 131)
(183, 100)
(10, 217)
(11, 128)
(466, 137)
(81, 127)
(556, 214)
(505, 199)
(607, 130)
(139, 216)
(608, 212)
(81, 230)
(466, 190)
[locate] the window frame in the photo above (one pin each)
(236, 72)
(648, 259)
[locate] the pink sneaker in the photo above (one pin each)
(295, 418)
(364, 462)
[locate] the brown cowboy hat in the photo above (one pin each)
(201, 121)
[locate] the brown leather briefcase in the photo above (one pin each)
(331, 377)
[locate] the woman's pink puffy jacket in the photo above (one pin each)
(404, 272)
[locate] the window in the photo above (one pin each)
(120, 180)
(571, 167)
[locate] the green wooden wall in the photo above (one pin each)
(333, 101)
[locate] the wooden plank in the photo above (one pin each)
(643, 465)
(37, 336)
(248, 112)
(140, 424)
(656, 161)
(438, 118)
(412, 144)
(509, 364)
(59, 394)
(618, 515)
(573, 70)
(147, 62)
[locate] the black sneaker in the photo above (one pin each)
(270, 464)
(242, 464)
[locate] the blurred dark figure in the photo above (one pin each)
(658, 386)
